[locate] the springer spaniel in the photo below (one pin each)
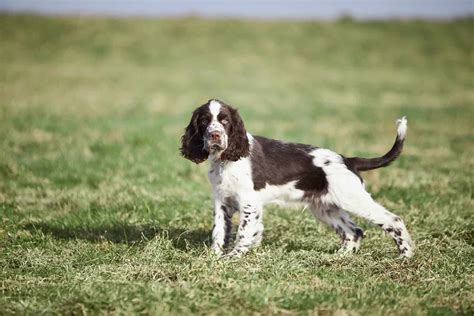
(248, 171)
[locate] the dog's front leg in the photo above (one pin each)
(222, 227)
(250, 230)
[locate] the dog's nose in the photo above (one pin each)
(215, 136)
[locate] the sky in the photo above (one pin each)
(271, 9)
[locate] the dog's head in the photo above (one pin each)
(215, 129)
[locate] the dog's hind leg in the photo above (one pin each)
(347, 192)
(391, 223)
(341, 222)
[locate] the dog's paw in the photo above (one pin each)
(347, 251)
(350, 246)
(234, 254)
(217, 251)
(406, 252)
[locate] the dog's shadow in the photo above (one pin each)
(125, 233)
(140, 234)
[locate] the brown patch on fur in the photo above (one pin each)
(192, 142)
(238, 142)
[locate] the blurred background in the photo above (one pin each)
(299, 9)
(101, 214)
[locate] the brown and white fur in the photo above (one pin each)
(246, 172)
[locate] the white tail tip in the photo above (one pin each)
(402, 127)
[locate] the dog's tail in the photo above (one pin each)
(363, 164)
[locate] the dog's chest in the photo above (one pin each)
(229, 179)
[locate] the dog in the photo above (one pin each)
(247, 171)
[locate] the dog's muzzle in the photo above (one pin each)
(215, 141)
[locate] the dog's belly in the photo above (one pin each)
(281, 194)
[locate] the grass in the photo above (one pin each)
(101, 215)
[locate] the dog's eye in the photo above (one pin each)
(204, 122)
(225, 122)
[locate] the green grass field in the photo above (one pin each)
(100, 214)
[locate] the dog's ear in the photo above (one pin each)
(238, 142)
(192, 142)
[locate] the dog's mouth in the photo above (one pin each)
(216, 147)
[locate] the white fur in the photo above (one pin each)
(214, 108)
(402, 127)
(215, 125)
(281, 194)
(322, 156)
